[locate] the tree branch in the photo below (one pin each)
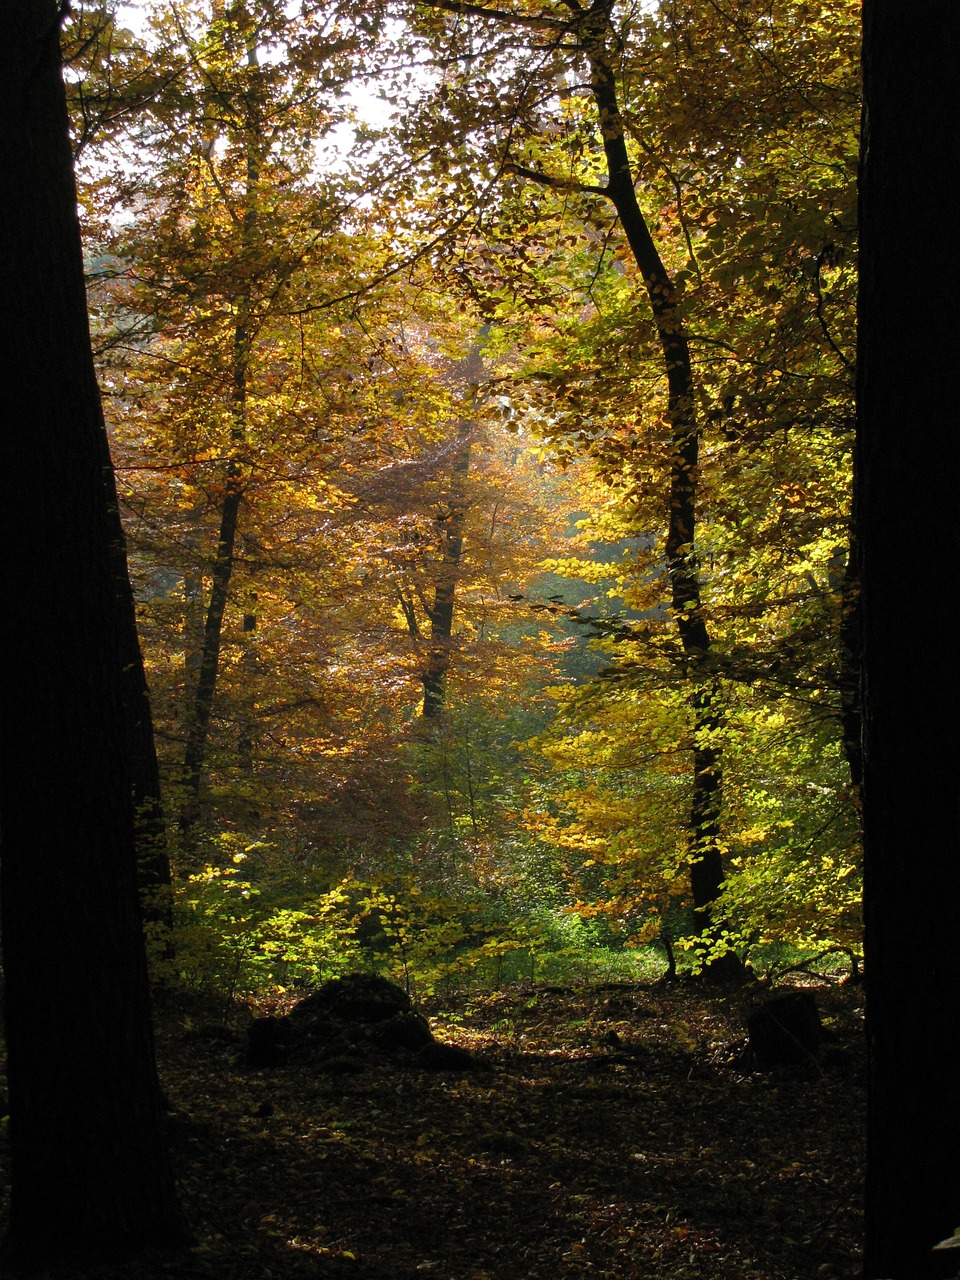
(558, 184)
(508, 16)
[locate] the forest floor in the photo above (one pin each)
(617, 1133)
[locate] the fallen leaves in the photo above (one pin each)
(671, 1164)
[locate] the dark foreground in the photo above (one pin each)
(618, 1134)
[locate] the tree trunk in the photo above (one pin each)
(201, 711)
(195, 755)
(908, 479)
(441, 610)
(469, 373)
(851, 718)
(90, 1177)
(153, 858)
(706, 860)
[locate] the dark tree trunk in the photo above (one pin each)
(201, 710)
(469, 374)
(851, 717)
(153, 859)
(89, 1171)
(908, 481)
(706, 867)
(706, 804)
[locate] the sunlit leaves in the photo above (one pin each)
(350, 292)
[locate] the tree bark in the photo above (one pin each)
(907, 482)
(201, 710)
(851, 717)
(90, 1176)
(153, 858)
(468, 373)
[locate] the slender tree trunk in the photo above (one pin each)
(90, 1176)
(706, 860)
(442, 607)
(451, 522)
(201, 711)
(195, 755)
(907, 481)
(706, 806)
(249, 667)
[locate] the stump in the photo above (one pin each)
(785, 1029)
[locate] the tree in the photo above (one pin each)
(590, 33)
(700, 357)
(440, 561)
(755, 211)
(90, 1173)
(298, 445)
(907, 478)
(208, 365)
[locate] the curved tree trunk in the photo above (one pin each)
(706, 860)
(591, 28)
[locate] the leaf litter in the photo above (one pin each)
(617, 1132)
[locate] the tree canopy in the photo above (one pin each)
(485, 456)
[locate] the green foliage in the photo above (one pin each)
(240, 927)
(236, 933)
(235, 936)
